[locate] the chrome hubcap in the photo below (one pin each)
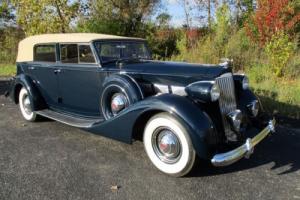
(26, 104)
(166, 145)
(118, 103)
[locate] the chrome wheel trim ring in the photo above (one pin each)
(166, 145)
(26, 104)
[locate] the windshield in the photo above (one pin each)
(116, 51)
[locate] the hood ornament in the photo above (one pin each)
(226, 62)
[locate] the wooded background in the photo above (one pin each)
(261, 36)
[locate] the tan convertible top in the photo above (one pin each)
(25, 51)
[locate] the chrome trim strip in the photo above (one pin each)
(161, 88)
(191, 84)
(178, 90)
(63, 118)
(230, 157)
(166, 89)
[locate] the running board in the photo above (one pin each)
(78, 122)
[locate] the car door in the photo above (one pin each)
(80, 79)
(44, 72)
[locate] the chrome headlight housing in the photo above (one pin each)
(253, 108)
(215, 92)
(204, 91)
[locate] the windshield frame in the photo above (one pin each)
(118, 41)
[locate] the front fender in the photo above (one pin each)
(36, 98)
(197, 122)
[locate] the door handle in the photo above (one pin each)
(57, 71)
(31, 68)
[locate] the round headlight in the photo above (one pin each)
(215, 92)
(253, 108)
(245, 83)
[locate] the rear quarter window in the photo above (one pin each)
(45, 53)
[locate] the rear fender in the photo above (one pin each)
(35, 96)
(197, 122)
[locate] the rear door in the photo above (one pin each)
(44, 71)
(80, 79)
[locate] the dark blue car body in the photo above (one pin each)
(74, 91)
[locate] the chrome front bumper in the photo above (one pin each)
(224, 159)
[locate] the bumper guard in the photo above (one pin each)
(224, 159)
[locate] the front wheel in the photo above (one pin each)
(26, 105)
(168, 145)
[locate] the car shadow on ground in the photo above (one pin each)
(281, 149)
(4, 86)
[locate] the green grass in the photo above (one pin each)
(278, 95)
(7, 70)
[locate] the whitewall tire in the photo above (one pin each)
(168, 145)
(26, 105)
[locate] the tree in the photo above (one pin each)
(211, 7)
(46, 16)
(206, 5)
(187, 7)
(6, 13)
(163, 20)
(221, 29)
(272, 16)
(162, 37)
(120, 17)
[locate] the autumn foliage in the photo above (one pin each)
(272, 16)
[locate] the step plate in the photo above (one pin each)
(69, 120)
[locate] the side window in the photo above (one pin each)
(69, 53)
(85, 54)
(45, 53)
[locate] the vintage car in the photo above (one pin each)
(109, 85)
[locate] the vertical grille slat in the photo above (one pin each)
(227, 101)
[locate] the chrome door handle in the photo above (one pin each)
(31, 68)
(57, 71)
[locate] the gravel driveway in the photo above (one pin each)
(49, 160)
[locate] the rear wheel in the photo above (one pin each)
(168, 145)
(26, 105)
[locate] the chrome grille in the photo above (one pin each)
(227, 102)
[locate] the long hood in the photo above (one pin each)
(177, 73)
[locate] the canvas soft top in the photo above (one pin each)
(26, 46)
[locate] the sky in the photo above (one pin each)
(176, 10)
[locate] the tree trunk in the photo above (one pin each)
(238, 11)
(62, 25)
(209, 14)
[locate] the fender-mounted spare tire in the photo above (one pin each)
(125, 88)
